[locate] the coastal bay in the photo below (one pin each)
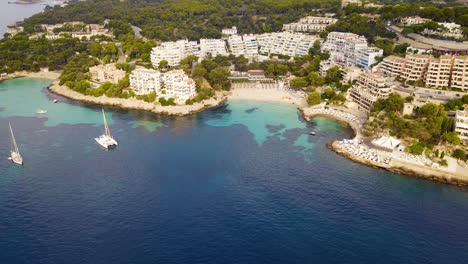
(246, 172)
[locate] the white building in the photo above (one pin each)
(285, 43)
(414, 20)
(449, 30)
(310, 24)
(246, 45)
(229, 31)
(178, 85)
(174, 84)
(461, 125)
(106, 73)
(145, 81)
(213, 46)
(173, 52)
(349, 49)
(368, 89)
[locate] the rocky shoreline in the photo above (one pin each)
(179, 110)
(406, 168)
(397, 166)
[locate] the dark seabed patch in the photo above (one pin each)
(251, 110)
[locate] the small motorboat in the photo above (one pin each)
(41, 111)
(55, 101)
(312, 133)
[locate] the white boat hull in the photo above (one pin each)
(106, 141)
(16, 158)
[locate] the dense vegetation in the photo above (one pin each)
(428, 126)
(192, 19)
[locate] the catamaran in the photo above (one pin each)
(15, 155)
(106, 140)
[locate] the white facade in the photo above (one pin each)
(246, 45)
(229, 31)
(310, 24)
(175, 84)
(145, 81)
(461, 125)
(178, 85)
(173, 52)
(213, 46)
(349, 49)
(285, 43)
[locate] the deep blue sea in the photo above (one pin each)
(243, 183)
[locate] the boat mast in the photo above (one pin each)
(13, 140)
(106, 127)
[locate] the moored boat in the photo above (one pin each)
(15, 155)
(106, 140)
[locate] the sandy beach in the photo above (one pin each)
(266, 95)
(132, 103)
(49, 75)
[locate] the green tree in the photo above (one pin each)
(315, 79)
(452, 138)
(314, 98)
(333, 75)
(459, 154)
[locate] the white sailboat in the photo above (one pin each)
(106, 140)
(15, 155)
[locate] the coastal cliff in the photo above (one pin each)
(179, 110)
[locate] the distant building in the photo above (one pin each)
(448, 30)
(414, 20)
(173, 84)
(349, 49)
(213, 46)
(310, 24)
(106, 73)
(368, 89)
(246, 45)
(285, 43)
(174, 52)
(461, 125)
(229, 31)
(447, 71)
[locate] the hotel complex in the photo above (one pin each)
(443, 72)
(348, 49)
(106, 73)
(173, 84)
(251, 46)
(310, 24)
(368, 89)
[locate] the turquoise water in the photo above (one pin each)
(243, 183)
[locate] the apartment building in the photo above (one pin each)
(461, 125)
(145, 81)
(392, 65)
(310, 24)
(415, 67)
(459, 75)
(246, 45)
(439, 71)
(173, 52)
(368, 89)
(106, 73)
(174, 84)
(349, 49)
(178, 85)
(285, 43)
(213, 46)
